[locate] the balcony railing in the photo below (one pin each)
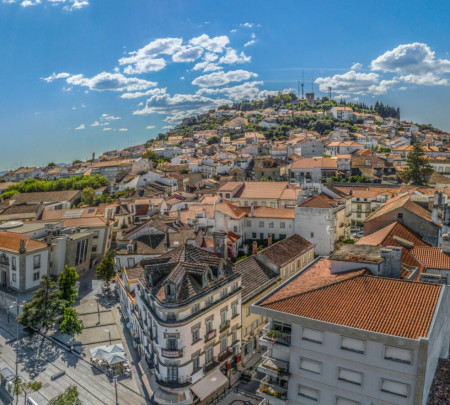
(280, 367)
(180, 383)
(225, 326)
(277, 336)
(213, 364)
(226, 354)
(172, 353)
(210, 335)
(270, 388)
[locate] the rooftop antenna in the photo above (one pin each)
(303, 83)
(298, 88)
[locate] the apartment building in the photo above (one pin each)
(188, 321)
(262, 272)
(339, 335)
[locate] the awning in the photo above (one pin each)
(209, 384)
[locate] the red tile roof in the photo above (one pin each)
(431, 257)
(355, 299)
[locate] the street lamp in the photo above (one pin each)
(109, 332)
(116, 383)
(17, 339)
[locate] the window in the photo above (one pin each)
(13, 263)
(249, 223)
(223, 344)
(195, 308)
(271, 225)
(352, 345)
(298, 263)
(223, 317)
(310, 365)
(308, 393)
(171, 316)
(261, 235)
(282, 235)
(312, 335)
(282, 225)
(131, 262)
(397, 354)
(234, 336)
(349, 376)
(245, 331)
(195, 334)
(195, 362)
(344, 401)
(208, 301)
(261, 224)
(395, 388)
(253, 235)
(172, 342)
(209, 324)
(224, 292)
(14, 277)
(172, 373)
(235, 286)
(245, 203)
(37, 261)
(209, 354)
(36, 276)
(400, 215)
(283, 272)
(234, 309)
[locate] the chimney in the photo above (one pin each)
(391, 266)
(445, 244)
(269, 240)
(220, 243)
(254, 247)
(22, 248)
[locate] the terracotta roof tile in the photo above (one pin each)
(377, 304)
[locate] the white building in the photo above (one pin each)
(342, 113)
(348, 338)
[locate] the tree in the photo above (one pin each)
(69, 397)
(23, 388)
(106, 270)
(71, 324)
(417, 166)
(150, 155)
(213, 140)
(46, 307)
(51, 164)
(67, 281)
(88, 196)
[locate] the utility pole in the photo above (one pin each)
(115, 386)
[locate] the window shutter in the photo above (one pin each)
(397, 354)
(354, 345)
(312, 335)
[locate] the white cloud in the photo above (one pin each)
(356, 66)
(416, 58)
(215, 44)
(144, 60)
(68, 5)
(403, 88)
(188, 54)
(104, 81)
(108, 117)
(206, 66)
(107, 129)
(150, 127)
(179, 106)
(167, 127)
(233, 31)
(95, 124)
(78, 128)
(247, 25)
(54, 76)
(221, 78)
(123, 129)
(252, 42)
(138, 94)
(245, 91)
(428, 79)
(231, 57)
(182, 78)
(353, 82)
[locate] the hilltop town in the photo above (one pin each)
(296, 249)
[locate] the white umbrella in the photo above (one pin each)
(115, 358)
(100, 351)
(116, 348)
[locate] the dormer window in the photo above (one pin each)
(170, 291)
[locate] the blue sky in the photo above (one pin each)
(83, 76)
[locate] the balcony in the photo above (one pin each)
(212, 365)
(272, 391)
(180, 383)
(210, 335)
(224, 327)
(172, 353)
(282, 337)
(273, 367)
(226, 354)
